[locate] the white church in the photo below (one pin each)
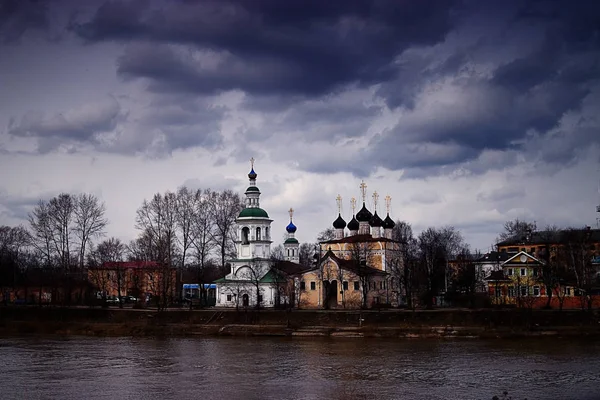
(252, 278)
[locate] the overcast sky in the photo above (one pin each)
(467, 113)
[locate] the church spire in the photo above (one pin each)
(252, 193)
(364, 216)
(291, 246)
(388, 223)
(353, 224)
(339, 224)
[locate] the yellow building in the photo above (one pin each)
(355, 270)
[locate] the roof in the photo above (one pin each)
(376, 221)
(290, 268)
(353, 225)
(253, 212)
(351, 265)
(522, 260)
(291, 228)
(360, 239)
(494, 256)
(339, 223)
(364, 215)
(291, 240)
(388, 223)
(497, 276)
(252, 189)
(550, 237)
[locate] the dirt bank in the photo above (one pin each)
(388, 323)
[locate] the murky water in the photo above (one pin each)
(282, 368)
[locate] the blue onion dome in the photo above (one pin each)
(291, 228)
(353, 225)
(388, 223)
(376, 221)
(252, 174)
(339, 223)
(364, 215)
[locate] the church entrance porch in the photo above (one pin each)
(330, 290)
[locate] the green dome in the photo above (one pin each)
(291, 240)
(252, 189)
(253, 213)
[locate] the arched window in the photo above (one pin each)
(267, 233)
(257, 233)
(245, 235)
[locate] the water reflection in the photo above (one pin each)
(267, 368)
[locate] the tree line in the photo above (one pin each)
(65, 235)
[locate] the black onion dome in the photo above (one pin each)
(376, 221)
(252, 174)
(388, 223)
(353, 225)
(364, 215)
(339, 223)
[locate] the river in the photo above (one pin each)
(291, 368)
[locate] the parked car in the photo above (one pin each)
(112, 300)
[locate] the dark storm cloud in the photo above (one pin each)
(185, 124)
(469, 77)
(79, 125)
(19, 16)
(306, 47)
(530, 92)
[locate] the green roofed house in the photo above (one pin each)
(256, 279)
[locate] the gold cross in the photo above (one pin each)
(339, 203)
(388, 202)
(363, 190)
(353, 203)
(291, 212)
(375, 200)
(252, 163)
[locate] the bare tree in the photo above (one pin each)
(517, 229)
(225, 208)
(157, 219)
(41, 236)
(433, 262)
(13, 256)
(547, 253)
(112, 251)
(306, 254)
(326, 235)
(204, 226)
(577, 244)
(404, 268)
(361, 255)
(89, 221)
(61, 212)
(277, 253)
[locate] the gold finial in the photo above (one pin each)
(388, 203)
(291, 212)
(375, 200)
(363, 190)
(338, 199)
(353, 204)
(252, 163)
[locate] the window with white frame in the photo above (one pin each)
(511, 291)
(523, 290)
(510, 272)
(523, 271)
(228, 297)
(536, 290)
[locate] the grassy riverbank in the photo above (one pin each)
(338, 323)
